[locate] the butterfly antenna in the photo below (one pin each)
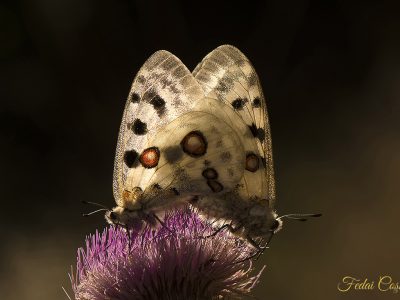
(66, 293)
(93, 212)
(95, 204)
(299, 217)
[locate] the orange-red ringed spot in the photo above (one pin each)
(252, 162)
(194, 144)
(150, 157)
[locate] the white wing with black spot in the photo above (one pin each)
(162, 91)
(226, 75)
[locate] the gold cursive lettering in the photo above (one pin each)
(386, 284)
(349, 282)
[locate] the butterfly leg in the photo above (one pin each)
(229, 226)
(128, 234)
(264, 247)
(256, 254)
(259, 249)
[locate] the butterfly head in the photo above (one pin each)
(276, 225)
(271, 224)
(132, 219)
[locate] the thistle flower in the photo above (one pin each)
(171, 262)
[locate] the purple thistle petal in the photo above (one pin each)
(158, 264)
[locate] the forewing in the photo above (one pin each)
(226, 75)
(162, 90)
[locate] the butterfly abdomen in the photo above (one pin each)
(254, 218)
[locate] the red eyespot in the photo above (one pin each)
(150, 157)
(194, 144)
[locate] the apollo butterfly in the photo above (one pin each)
(201, 138)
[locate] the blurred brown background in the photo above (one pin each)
(331, 74)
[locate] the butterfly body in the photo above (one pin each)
(201, 138)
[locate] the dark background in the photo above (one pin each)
(331, 74)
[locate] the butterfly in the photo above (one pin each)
(201, 138)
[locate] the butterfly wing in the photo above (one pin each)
(199, 154)
(226, 75)
(163, 90)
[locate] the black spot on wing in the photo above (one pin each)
(158, 104)
(257, 132)
(157, 186)
(135, 98)
(175, 191)
(256, 102)
(215, 186)
(238, 103)
(210, 173)
(261, 134)
(253, 129)
(130, 158)
(173, 153)
(138, 127)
